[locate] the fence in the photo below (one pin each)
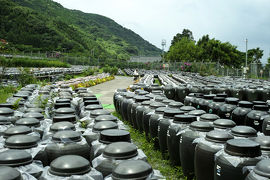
(255, 70)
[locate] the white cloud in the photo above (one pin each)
(154, 20)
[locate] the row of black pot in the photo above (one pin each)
(203, 144)
(59, 148)
(241, 112)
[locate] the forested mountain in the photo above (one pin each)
(44, 25)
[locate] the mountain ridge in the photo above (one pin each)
(47, 25)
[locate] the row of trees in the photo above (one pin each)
(185, 48)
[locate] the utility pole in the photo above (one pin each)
(246, 50)
(163, 44)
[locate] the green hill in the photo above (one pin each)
(44, 25)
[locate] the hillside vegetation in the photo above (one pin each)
(44, 25)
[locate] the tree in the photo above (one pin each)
(185, 33)
(255, 54)
(183, 50)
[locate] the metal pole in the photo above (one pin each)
(246, 50)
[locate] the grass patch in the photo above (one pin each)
(27, 62)
(98, 95)
(154, 156)
(157, 82)
(6, 92)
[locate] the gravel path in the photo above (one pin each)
(105, 91)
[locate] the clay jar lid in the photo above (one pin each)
(132, 169)
(9, 173)
(15, 158)
(21, 142)
(114, 135)
(67, 136)
(120, 150)
(62, 126)
(242, 148)
(69, 165)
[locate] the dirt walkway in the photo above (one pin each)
(105, 91)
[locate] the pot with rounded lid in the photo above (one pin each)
(30, 122)
(139, 114)
(175, 105)
(93, 107)
(100, 126)
(124, 105)
(147, 114)
(38, 110)
(195, 100)
(244, 132)
(209, 117)
(224, 124)
(169, 91)
(107, 137)
(36, 115)
(67, 117)
(188, 98)
(197, 129)
(92, 134)
(132, 169)
(255, 117)
(63, 101)
(209, 89)
(67, 143)
(88, 98)
(167, 101)
(27, 142)
(21, 160)
(15, 130)
(266, 126)
(114, 154)
(180, 122)
(21, 142)
(205, 101)
(239, 113)
(181, 93)
(187, 109)
(215, 105)
(204, 159)
(264, 142)
(197, 113)
(86, 111)
(62, 105)
(226, 109)
(163, 128)
(9, 173)
(153, 124)
(102, 118)
(252, 93)
(64, 111)
(237, 154)
(68, 166)
(91, 102)
(6, 112)
(62, 126)
(261, 171)
(138, 102)
(5, 123)
(99, 112)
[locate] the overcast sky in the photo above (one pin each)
(154, 20)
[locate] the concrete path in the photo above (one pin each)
(105, 91)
